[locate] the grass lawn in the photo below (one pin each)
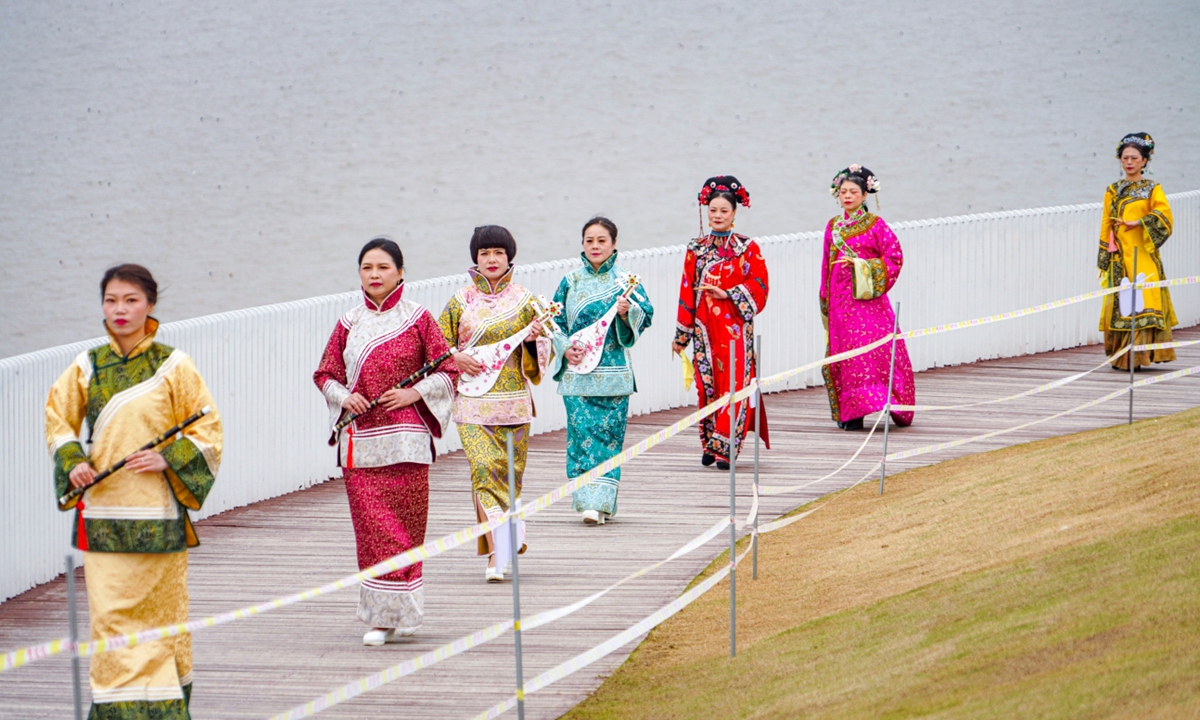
(1058, 579)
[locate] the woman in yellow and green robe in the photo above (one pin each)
(1137, 218)
(133, 527)
(489, 310)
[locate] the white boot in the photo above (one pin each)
(593, 517)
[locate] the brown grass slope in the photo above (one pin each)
(1058, 579)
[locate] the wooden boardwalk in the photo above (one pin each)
(263, 666)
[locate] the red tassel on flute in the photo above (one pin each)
(81, 533)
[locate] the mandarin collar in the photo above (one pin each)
(389, 302)
(858, 214)
(143, 344)
(605, 266)
(482, 284)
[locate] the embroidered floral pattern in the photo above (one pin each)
(712, 325)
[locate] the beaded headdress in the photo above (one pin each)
(724, 183)
(1141, 139)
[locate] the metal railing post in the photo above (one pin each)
(74, 636)
(516, 575)
(732, 501)
(758, 414)
(887, 409)
(1132, 331)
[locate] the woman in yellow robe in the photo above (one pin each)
(1136, 218)
(133, 527)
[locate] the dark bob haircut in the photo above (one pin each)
(603, 222)
(134, 275)
(487, 237)
(388, 246)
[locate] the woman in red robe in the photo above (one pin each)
(724, 286)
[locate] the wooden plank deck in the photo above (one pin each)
(256, 668)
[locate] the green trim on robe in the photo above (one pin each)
(187, 463)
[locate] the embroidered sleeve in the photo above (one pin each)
(448, 321)
(750, 295)
(66, 407)
(826, 247)
(631, 327)
(1158, 223)
(330, 376)
(891, 256)
(437, 389)
(536, 355)
(561, 339)
(685, 317)
(1103, 256)
(194, 459)
(878, 271)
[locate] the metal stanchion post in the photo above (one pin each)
(732, 501)
(757, 432)
(516, 575)
(1132, 331)
(887, 409)
(74, 635)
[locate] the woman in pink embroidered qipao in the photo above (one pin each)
(385, 454)
(859, 243)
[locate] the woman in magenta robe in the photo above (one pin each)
(857, 240)
(385, 454)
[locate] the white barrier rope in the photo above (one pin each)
(1028, 393)
(995, 433)
(408, 667)
(623, 638)
(584, 659)
(787, 489)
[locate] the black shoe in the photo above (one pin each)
(707, 460)
(722, 465)
(855, 424)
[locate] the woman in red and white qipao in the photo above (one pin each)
(385, 454)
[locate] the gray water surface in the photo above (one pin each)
(245, 152)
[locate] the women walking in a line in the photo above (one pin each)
(596, 379)
(1137, 219)
(861, 262)
(385, 453)
(494, 402)
(134, 527)
(724, 286)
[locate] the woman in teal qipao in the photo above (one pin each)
(597, 402)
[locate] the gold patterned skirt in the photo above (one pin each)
(127, 593)
(487, 452)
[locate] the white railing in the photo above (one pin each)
(259, 362)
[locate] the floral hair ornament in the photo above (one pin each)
(1140, 139)
(724, 183)
(868, 177)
